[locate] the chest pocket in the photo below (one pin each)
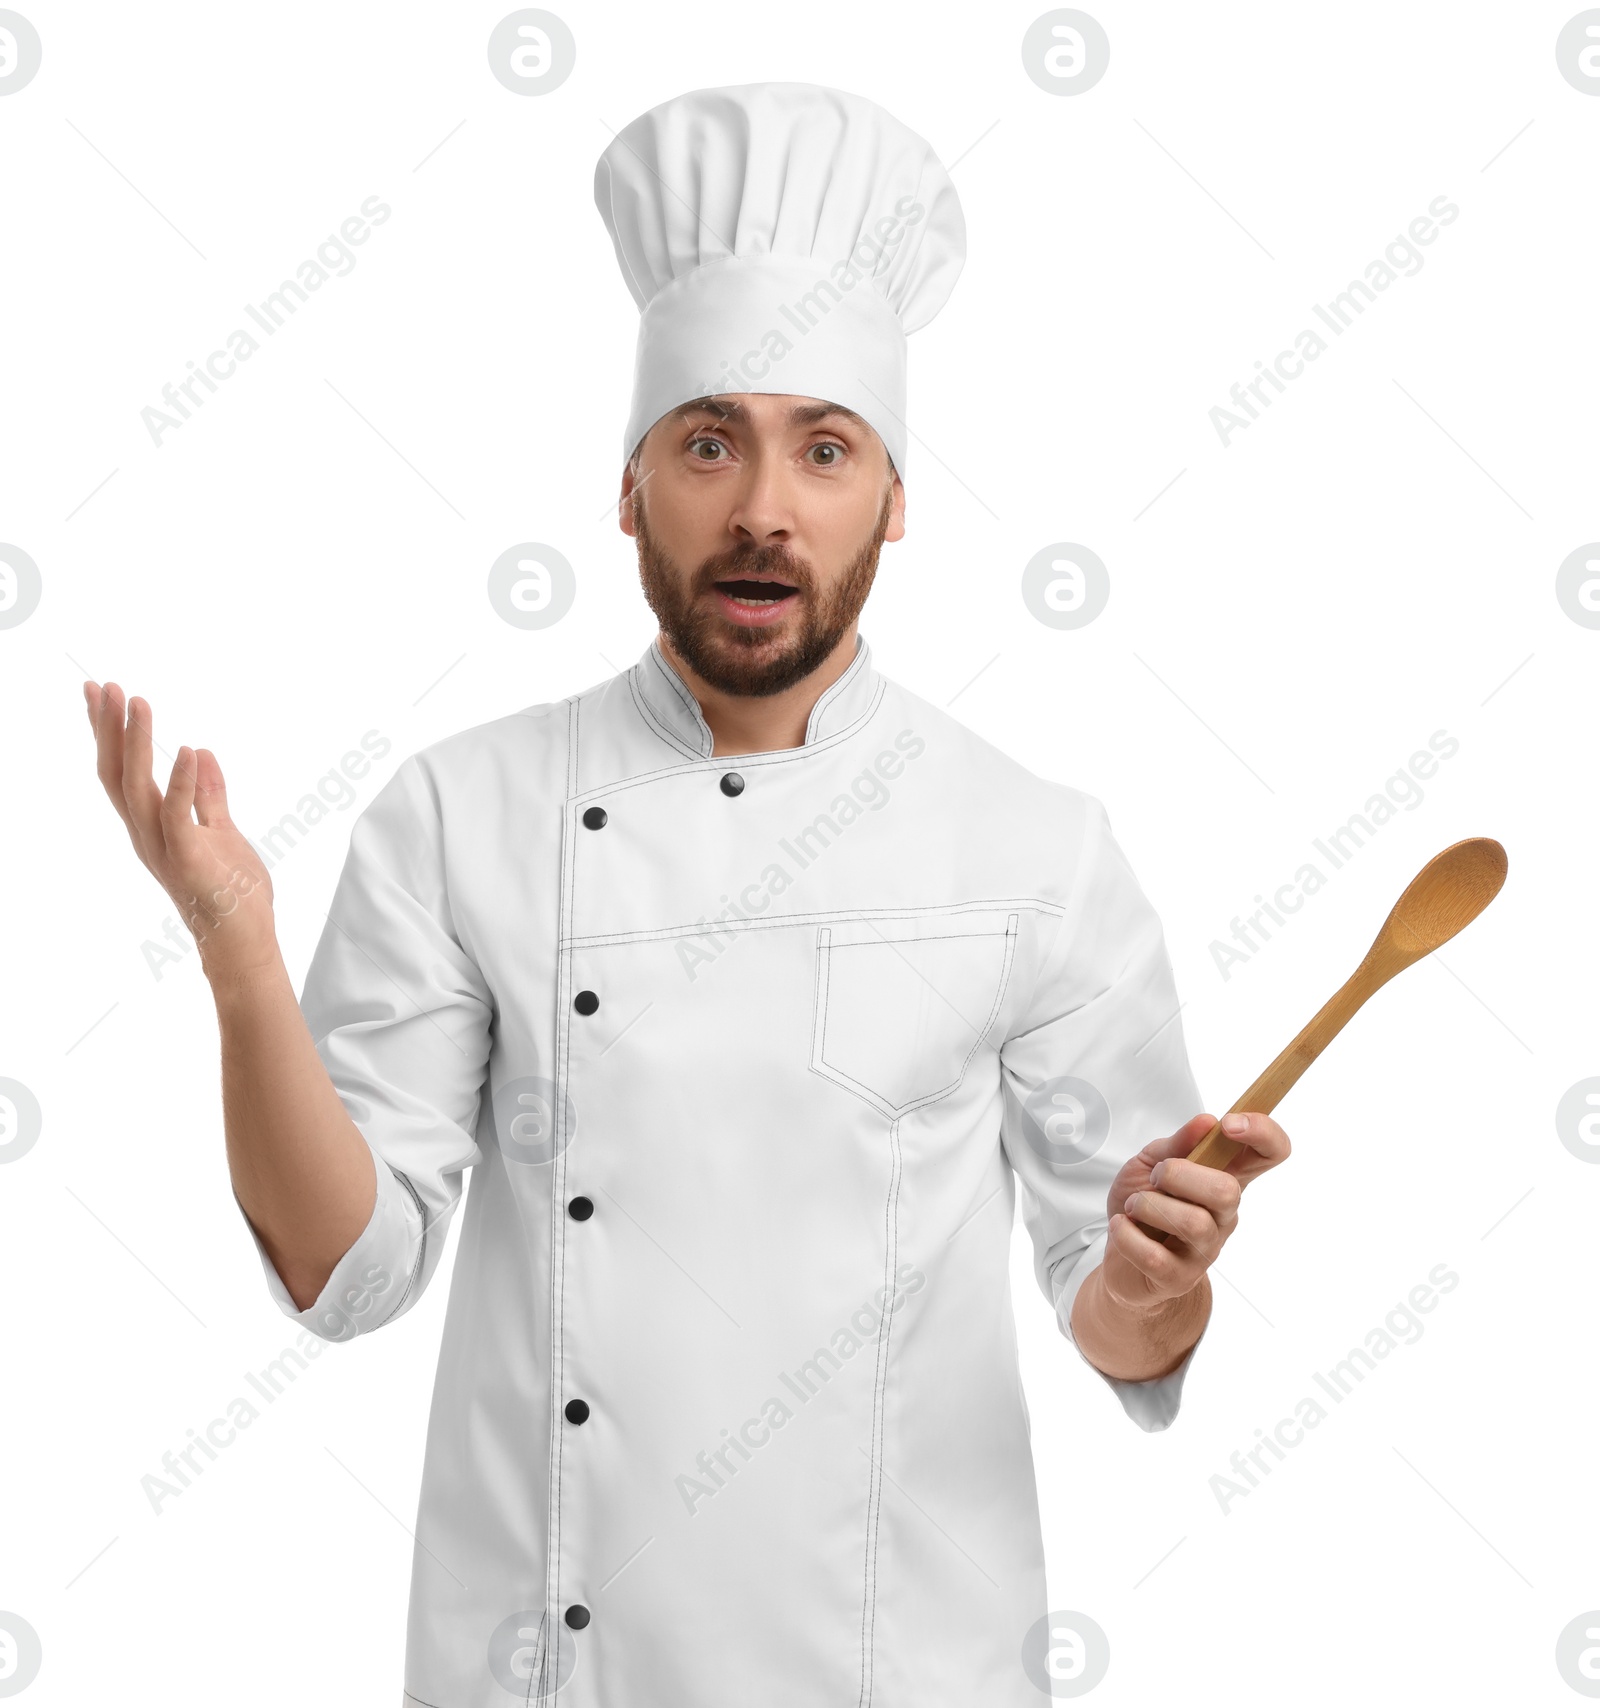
(902, 1005)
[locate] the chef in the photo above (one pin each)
(752, 992)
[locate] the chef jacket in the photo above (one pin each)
(748, 1057)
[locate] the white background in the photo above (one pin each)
(1293, 616)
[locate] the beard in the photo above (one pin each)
(755, 662)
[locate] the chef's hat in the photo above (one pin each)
(778, 237)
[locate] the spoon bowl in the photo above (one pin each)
(1455, 886)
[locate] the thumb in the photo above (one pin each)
(1179, 1143)
(210, 791)
(1191, 1133)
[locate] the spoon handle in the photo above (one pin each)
(1449, 892)
(1216, 1149)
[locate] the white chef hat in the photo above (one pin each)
(778, 237)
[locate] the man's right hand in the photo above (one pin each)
(215, 878)
(302, 1171)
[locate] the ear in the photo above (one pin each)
(897, 513)
(625, 502)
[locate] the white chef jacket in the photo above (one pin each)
(751, 1429)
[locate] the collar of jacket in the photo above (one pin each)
(664, 700)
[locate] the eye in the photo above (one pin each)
(835, 453)
(697, 444)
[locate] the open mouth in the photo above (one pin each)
(751, 601)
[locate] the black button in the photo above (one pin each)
(586, 1002)
(581, 1209)
(733, 784)
(577, 1616)
(594, 818)
(577, 1411)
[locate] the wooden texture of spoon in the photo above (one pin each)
(1448, 893)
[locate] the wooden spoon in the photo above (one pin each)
(1447, 894)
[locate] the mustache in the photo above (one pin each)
(776, 561)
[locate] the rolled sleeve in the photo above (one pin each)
(401, 1017)
(1094, 1070)
(1152, 1403)
(371, 1281)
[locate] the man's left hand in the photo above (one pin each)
(1195, 1206)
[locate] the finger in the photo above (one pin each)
(211, 791)
(1181, 1142)
(178, 828)
(1169, 1268)
(139, 788)
(91, 704)
(178, 802)
(1192, 1223)
(108, 753)
(1213, 1189)
(1265, 1142)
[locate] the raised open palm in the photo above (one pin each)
(215, 878)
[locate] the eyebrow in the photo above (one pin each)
(800, 414)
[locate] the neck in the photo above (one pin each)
(747, 723)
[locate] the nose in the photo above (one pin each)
(762, 514)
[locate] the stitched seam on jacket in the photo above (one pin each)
(746, 761)
(877, 1099)
(422, 1244)
(677, 687)
(999, 995)
(880, 1389)
(819, 1001)
(783, 922)
(927, 937)
(541, 1645)
(829, 695)
(655, 724)
(549, 1668)
(1083, 875)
